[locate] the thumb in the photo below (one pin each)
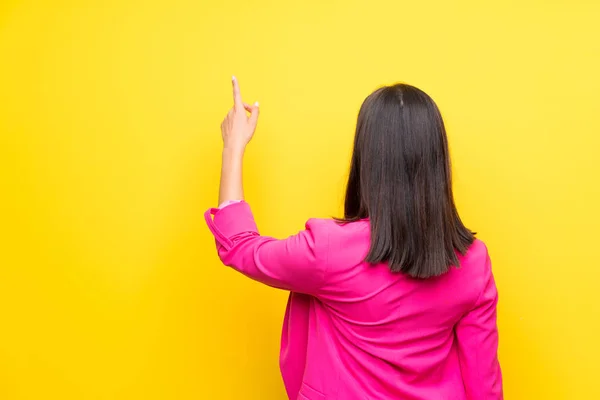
(254, 115)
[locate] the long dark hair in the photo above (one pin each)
(400, 180)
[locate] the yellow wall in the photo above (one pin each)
(109, 154)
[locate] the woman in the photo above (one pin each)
(397, 299)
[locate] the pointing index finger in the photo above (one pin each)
(237, 96)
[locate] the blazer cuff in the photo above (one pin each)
(230, 221)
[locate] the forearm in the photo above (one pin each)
(231, 187)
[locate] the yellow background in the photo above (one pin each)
(109, 154)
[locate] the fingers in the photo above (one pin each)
(237, 96)
(249, 107)
(239, 104)
(254, 111)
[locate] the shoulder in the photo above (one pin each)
(477, 252)
(320, 229)
(334, 228)
(476, 264)
(346, 243)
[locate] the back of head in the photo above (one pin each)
(400, 179)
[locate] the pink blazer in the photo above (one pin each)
(354, 331)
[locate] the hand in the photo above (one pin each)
(238, 128)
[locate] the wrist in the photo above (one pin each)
(234, 150)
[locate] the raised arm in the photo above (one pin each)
(297, 263)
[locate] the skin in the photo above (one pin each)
(237, 130)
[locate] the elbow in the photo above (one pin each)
(240, 251)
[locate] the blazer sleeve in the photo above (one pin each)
(297, 263)
(477, 337)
